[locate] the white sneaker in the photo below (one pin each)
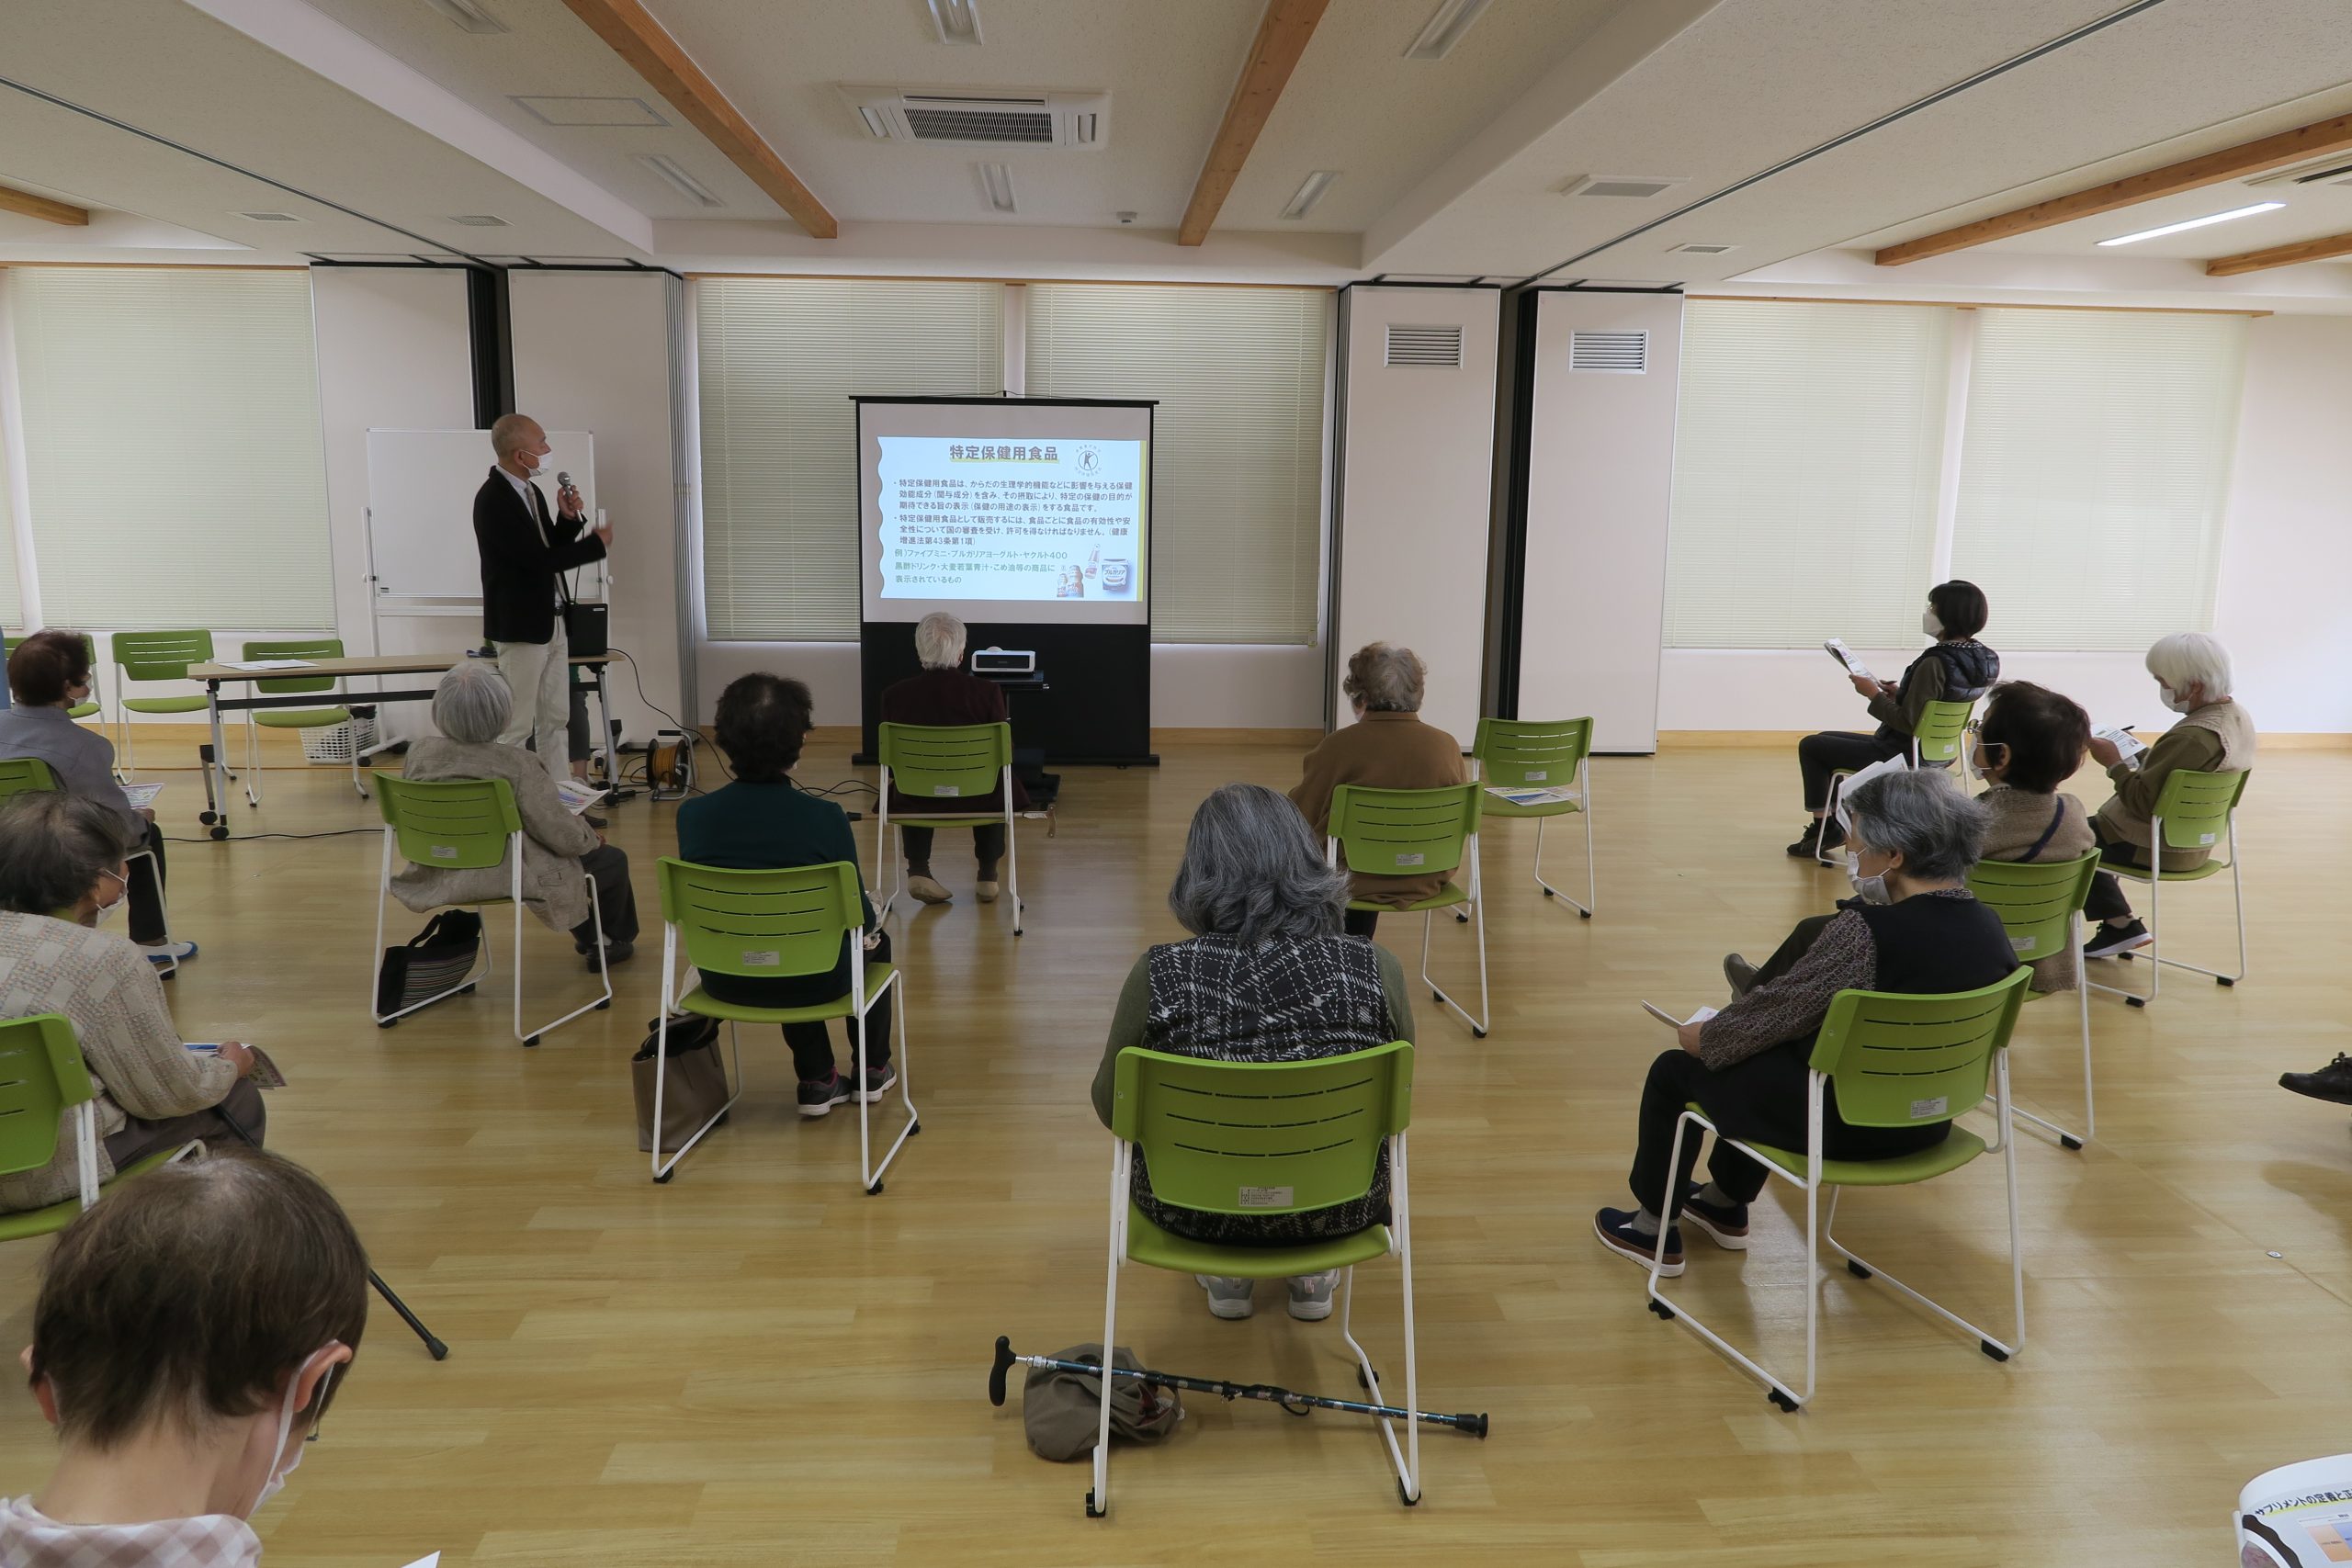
(1310, 1296)
(1228, 1297)
(168, 952)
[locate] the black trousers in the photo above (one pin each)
(147, 891)
(1761, 1101)
(812, 1045)
(1837, 751)
(616, 899)
(2107, 901)
(988, 845)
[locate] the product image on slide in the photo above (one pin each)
(972, 518)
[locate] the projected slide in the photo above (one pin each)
(1030, 520)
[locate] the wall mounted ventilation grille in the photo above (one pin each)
(1623, 353)
(1436, 346)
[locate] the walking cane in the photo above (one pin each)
(1296, 1404)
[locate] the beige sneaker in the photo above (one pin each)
(928, 890)
(986, 891)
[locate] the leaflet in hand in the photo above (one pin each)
(1519, 796)
(2123, 740)
(143, 795)
(578, 796)
(1861, 776)
(1846, 656)
(1664, 1017)
(264, 1073)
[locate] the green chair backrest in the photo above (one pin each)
(2196, 806)
(1404, 832)
(451, 824)
(1943, 730)
(159, 655)
(42, 1073)
(2036, 899)
(1517, 752)
(1262, 1137)
(781, 922)
(1900, 1060)
(8, 644)
(945, 761)
(25, 775)
(299, 647)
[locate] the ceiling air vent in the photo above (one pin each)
(1439, 347)
(270, 217)
(1622, 354)
(1698, 249)
(1079, 120)
(478, 219)
(1637, 186)
(2330, 171)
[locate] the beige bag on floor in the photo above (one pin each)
(696, 1085)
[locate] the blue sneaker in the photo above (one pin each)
(168, 952)
(1615, 1229)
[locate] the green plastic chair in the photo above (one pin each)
(1264, 1138)
(79, 710)
(930, 762)
(43, 1080)
(1405, 832)
(1896, 1061)
(2041, 906)
(1533, 754)
(773, 924)
(465, 825)
(259, 719)
(1940, 740)
(2194, 811)
(30, 775)
(142, 657)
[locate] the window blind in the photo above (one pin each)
(780, 359)
(175, 461)
(2095, 473)
(1807, 452)
(1236, 461)
(12, 604)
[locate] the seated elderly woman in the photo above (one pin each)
(1267, 976)
(1918, 930)
(2030, 741)
(764, 822)
(61, 874)
(49, 673)
(1388, 746)
(944, 695)
(2214, 735)
(471, 707)
(169, 1442)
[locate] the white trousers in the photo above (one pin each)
(539, 674)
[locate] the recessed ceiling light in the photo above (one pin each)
(685, 184)
(469, 15)
(270, 217)
(478, 219)
(958, 21)
(1450, 21)
(2195, 223)
(1310, 191)
(996, 184)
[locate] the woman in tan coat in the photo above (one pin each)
(469, 708)
(1388, 746)
(2030, 741)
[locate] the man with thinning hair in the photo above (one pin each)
(524, 553)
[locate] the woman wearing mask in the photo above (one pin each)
(2031, 741)
(1916, 929)
(1955, 668)
(2213, 735)
(62, 876)
(168, 1443)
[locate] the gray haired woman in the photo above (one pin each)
(1267, 976)
(470, 708)
(1915, 928)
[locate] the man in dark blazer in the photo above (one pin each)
(523, 551)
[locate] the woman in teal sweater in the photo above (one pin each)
(764, 822)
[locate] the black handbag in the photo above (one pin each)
(430, 962)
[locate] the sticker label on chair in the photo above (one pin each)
(2206, 837)
(1924, 1109)
(1533, 775)
(1411, 860)
(947, 789)
(2025, 944)
(445, 852)
(1266, 1197)
(770, 959)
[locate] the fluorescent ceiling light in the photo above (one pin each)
(1310, 191)
(1451, 19)
(469, 15)
(996, 184)
(2195, 223)
(958, 21)
(685, 184)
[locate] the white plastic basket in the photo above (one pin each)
(335, 743)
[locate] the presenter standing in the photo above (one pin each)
(524, 554)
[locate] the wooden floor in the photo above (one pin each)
(760, 1364)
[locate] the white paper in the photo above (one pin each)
(1862, 776)
(431, 1562)
(1663, 1016)
(577, 796)
(143, 795)
(1519, 795)
(2125, 741)
(1846, 656)
(2305, 1508)
(267, 664)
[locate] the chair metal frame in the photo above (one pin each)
(887, 742)
(388, 788)
(1492, 730)
(1841, 1025)
(859, 1003)
(335, 686)
(2177, 784)
(36, 776)
(1991, 873)
(1468, 798)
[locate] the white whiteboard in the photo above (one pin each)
(420, 486)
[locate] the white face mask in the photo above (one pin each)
(542, 463)
(2175, 700)
(107, 911)
(1871, 888)
(280, 1467)
(1930, 625)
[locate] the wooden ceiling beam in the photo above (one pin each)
(630, 31)
(40, 206)
(1281, 38)
(2280, 255)
(2232, 163)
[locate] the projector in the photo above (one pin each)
(1003, 661)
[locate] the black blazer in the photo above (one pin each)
(518, 571)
